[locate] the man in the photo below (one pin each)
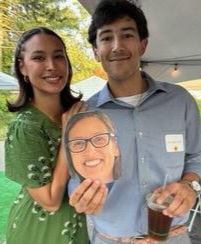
(158, 128)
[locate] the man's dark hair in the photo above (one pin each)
(108, 11)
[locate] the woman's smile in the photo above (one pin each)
(93, 162)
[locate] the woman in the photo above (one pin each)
(34, 152)
(92, 148)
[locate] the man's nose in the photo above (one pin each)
(117, 44)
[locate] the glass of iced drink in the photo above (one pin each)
(158, 223)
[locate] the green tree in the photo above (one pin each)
(67, 20)
(83, 64)
(199, 105)
(8, 13)
(5, 117)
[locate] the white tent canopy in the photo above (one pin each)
(8, 82)
(89, 86)
(175, 38)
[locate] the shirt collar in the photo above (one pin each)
(153, 84)
(106, 96)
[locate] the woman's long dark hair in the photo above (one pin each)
(25, 88)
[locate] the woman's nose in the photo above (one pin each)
(90, 147)
(50, 64)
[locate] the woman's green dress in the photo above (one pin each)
(31, 149)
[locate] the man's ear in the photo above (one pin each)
(143, 47)
(95, 50)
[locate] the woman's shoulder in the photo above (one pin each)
(29, 114)
(29, 118)
(25, 121)
(32, 123)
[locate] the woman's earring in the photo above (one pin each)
(26, 79)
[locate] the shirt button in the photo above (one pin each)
(144, 183)
(143, 159)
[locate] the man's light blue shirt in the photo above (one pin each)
(160, 136)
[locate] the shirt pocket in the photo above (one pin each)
(165, 153)
(174, 159)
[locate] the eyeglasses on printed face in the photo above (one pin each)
(98, 141)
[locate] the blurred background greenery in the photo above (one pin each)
(8, 192)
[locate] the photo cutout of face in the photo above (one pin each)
(91, 147)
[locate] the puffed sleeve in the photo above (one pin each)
(29, 155)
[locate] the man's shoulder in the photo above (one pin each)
(164, 85)
(92, 101)
(172, 87)
(178, 92)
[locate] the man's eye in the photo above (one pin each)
(106, 38)
(128, 35)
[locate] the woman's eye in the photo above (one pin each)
(59, 56)
(38, 58)
(79, 143)
(100, 140)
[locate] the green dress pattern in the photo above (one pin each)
(31, 149)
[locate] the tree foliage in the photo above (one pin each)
(5, 117)
(67, 20)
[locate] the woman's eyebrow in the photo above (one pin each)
(42, 52)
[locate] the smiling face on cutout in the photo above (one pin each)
(93, 149)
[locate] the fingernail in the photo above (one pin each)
(89, 181)
(98, 182)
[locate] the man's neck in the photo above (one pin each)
(128, 87)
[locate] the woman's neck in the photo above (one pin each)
(50, 107)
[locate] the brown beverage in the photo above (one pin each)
(158, 223)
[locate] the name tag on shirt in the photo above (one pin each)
(174, 143)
